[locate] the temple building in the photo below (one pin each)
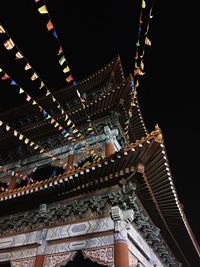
(100, 194)
(83, 182)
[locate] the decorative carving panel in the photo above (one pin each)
(58, 260)
(23, 263)
(104, 255)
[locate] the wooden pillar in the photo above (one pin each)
(12, 184)
(121, 256)
(109, 150)
(70, 160)
(39, 261)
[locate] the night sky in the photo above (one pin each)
(92, 33)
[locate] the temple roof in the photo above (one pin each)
(146, 160)
(107, 90)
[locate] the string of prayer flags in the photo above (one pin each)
(21, 136)
(42, 8)
(35, 76)
(34, 102)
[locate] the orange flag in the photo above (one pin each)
(69, 78)
(49, 25)
(5, 77)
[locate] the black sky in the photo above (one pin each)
(94, 32)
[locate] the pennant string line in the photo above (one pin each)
(43, 10)
(66, 133)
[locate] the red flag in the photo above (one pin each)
(5, 77)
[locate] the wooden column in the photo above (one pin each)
(70, 160)
(121, 256)
(109, 149)
(12, 184)
(39, 260)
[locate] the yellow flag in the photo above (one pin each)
(65, 70)
(43, 9)
(34, 77)
(143, 4)
(147, 41)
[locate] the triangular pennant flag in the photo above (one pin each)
(48, 117)
(21, 91)
(5, 77)
(9, 44)
(63, 132)
(69, 78)
(62, 60)
(52, 121)
(65, 70)
(34, 77)
(142, 65)
(43, 9)
(48, 93)
(66, 117)
(7, 128)
(21, 136)
(18, 55)
(147, 41)
(2, 29)
(13, 82)
(41, 85)
(34, 103)
(69, 122)
(26, 141)
(143, 4)
(55, 34)
(56, 125)
(49, 25)
(74, 83)
(60, 128)
(28, 98)
(78, 93)
(27, 67)
(60, 51)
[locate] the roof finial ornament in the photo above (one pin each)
(159, 137)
